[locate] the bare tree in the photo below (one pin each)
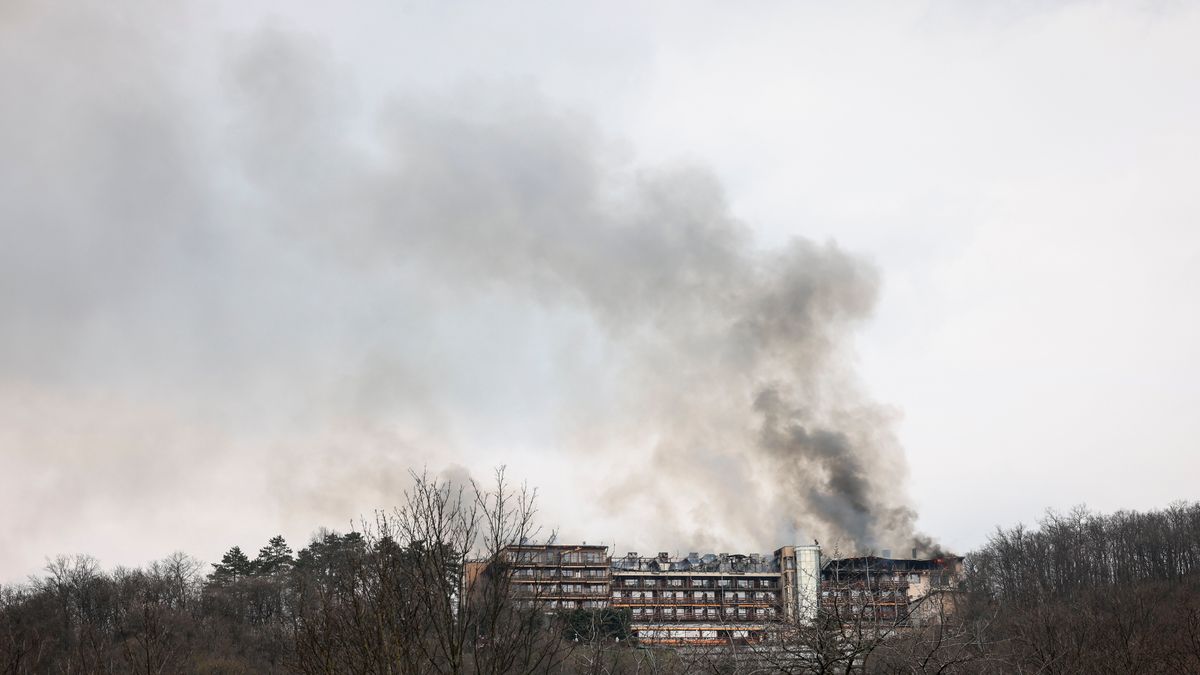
(427, 589)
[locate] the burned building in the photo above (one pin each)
(698, 599)
(723, 598)
(889, 591)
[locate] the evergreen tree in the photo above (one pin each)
(234, 565)
(275, 557)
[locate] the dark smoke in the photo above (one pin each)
(831, 478)
(262, 296)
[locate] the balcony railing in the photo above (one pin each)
(697, 602)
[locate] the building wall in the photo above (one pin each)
(723, 599)
(557, 576)
(887, 591)
(808, 583)
(699, 600)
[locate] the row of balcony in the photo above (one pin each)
(575, 562)
(870, 584)
(525, 575)
(535, 591)
(705, 616)
(617, 592)
(692, 602)
(709, 584)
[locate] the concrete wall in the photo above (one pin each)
(808, 582)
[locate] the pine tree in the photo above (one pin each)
(275, 557)
(234, 565)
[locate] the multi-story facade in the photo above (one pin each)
(888, 591)
(710, 599)
(560, 576)
(727, 598)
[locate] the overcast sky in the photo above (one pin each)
(207, 341)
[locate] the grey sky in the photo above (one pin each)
(208, 339)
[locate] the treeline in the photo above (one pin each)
(1081, 550)
(387, 598)
(1080, 593)
(1091, 593)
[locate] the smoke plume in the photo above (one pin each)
(230, 285)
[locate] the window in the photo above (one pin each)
(631, 582)
(617, 594)
(675, 582)
(743, 583)
(766, 583)
(914, 579)
(649, 583)
(699, 583)
(723, 583)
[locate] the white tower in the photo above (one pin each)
(808, 582)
